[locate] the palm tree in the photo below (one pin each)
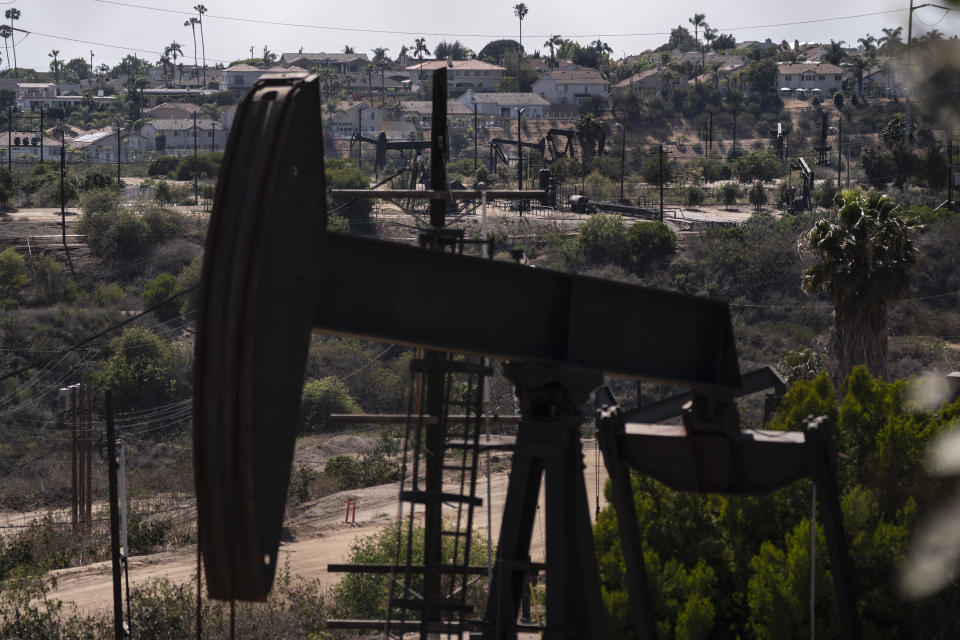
(589, 130)
(381, 63)
(697, 21)
(370, 69)
(865, 258)
(192, 23)
(348, 49)
(553, 43)
(868, 42)
(173, 50)
(859, 66)
(835, 53)
(200, 9)
(11, 15)
(6, 33)
(520, 10)
(164, 65)
(709, 34)
(891, 40)
(56, 68)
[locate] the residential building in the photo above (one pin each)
(240, 77)
(175, 137)
(340, 62)
(803, 77)
(651, 81)
(26, 146)
(101, 146)
(350, 115)
(572, 87)
(506, 104)
(461, 74)
(172, 110)
(421, 111)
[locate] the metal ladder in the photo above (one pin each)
(431, 595)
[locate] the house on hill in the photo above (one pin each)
(461, 74)
(572, 87)
(175, 137)
(506, 104)
(101, 146)
(240, 77)
(421, 111)
(802, 78)
(652, 81)
(342, 63)
(172, 111)
(353, 115)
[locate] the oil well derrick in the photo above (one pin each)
(273, 274)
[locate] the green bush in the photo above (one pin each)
(163, 166)
(650, 169)
(758, 195)
(695, 196)
(13, 272)
(117, 235)
(649, 242)
(603, 239)
(713, 169)
(51, 280)
(157, 291)
(761, 165)
(163, 224)
(108, 294)
(729, 193)
(369, 470)
(96, 200)
(825, 193)
(320, 399)
(341, 176)
(99, 180)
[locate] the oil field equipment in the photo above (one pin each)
(273, 274)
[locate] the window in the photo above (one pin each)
(787, 78)
(836, 77)
(821, 77)
(239, 80)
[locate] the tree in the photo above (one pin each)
(143, 371)
(173, 50)
(321, 398)
(761, 75)
(455, 50)
(724, 41)
(56, 67)
(11, 15)
(552, 43)
(834, 53)
(192, 23)
(495, 50)
(6, 33)
(589, 131)
(860, 65)
(758, 195)
(75, 70)
(13, 273)
(648, 243)
(200, 9)
(381, 63)
(420, 49)
(158, 292)
(520, 10)
(697, 21)
(603, 239)
(865, 259)
(348, 49)
(891, 41)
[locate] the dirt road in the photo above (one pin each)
(320, 537)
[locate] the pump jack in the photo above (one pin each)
(273, 273)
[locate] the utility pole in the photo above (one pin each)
(118, 631)
(475, 134)
(196, 164)
(359, 133)
(839, 152)
(709, 132)
(91, 64)
(661, 183)
(906, 117)
(950, 167)
(623, 150)
(213, 136)
(734, 129)
(124, 542)
(41, 135)
(520, 111)
(118, 154)
(9, 138)
(63, 206)
(75, 496)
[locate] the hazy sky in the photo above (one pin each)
(113, 29)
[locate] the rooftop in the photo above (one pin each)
(456, 65)
(584, 75)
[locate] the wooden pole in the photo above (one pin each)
(74, 478)
(118, 631)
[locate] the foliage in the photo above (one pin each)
(117, 235)
(879, 166)
(713, 169)
(695, 196)
(825, 194)
(341, 176)
(496, 49)
(649, 243)
(729, 193)
(650, 170)
(163, 166)
(603, 239)
(6, 187)
(143, 371)
(758, 195)
(365, 595)
(368, 470)
(99, 200)
(157, 292)
(865, 258)
(739, 566)
(761, 165)
(13, 272)
(321, 398)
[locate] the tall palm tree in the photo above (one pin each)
(860, 65)
(709, 34)
(370, 69)
(520, 10)
(11, 15)
(381, 63)
(192, 23)
(868, 42)
(865, 258)
(420, 48)
(56, 68)
(6, 33)
(200, 9)
(891, 40)
(589, 130)
(553, 43)
(173, 50)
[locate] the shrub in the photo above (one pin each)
(108, 294)
(100, 199)
(758, 195)
(695, 196)
(13, 272)
(824, 195)
(651, 169)
(98, 180)
(321, 398)
(603, 239)
(729, 193)
(143, 371)
(117, 235)
(713, 169)
(157, 291)
(649, 242)
(340, 176)
(838, 101)
(6, 187)
(163, 194)
(163, 166)
(763, 165)
(50, 278)
(163, 223)
(369, 470)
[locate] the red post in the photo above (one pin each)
(354, 519)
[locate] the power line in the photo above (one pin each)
(209, 16)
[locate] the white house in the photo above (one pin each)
(351, 115)
(506, 104)
(653, 81)
(172, 111)
(340, 62)
(240, 77)
(572, 86)
(461, 74)
(421, 111)
(808, 76)
(176, 136)
(101, 146)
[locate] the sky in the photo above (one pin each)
(115, 28)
